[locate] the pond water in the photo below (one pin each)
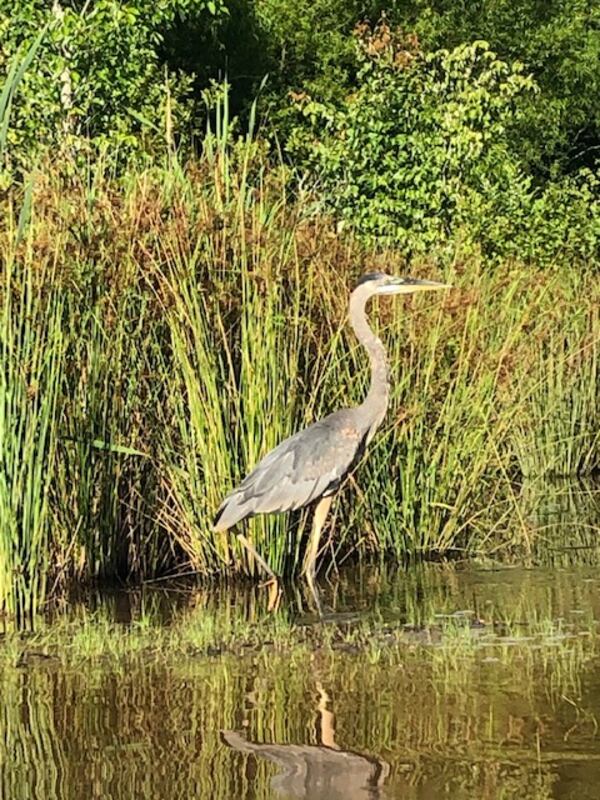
(431, 682)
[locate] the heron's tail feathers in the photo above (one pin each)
(231, 511)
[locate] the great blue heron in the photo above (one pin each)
(309, 466)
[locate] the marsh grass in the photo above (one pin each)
(105, 480)
(31, 348)
(201, 311)
(565, 516)
(232, 378)
(556, 431)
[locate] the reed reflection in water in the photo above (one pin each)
(505, 708)
(318, 772)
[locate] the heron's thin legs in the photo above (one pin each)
(321, 512)
(259, 559)
(310, 562)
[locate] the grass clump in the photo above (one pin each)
(32, 344)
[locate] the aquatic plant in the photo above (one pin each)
(31, 351)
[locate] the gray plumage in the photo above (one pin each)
(303, 468)
(311, 464)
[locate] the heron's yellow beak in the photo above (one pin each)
(410, 285)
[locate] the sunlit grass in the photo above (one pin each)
(32, 344)
(556, 431)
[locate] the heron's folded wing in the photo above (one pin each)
(299, 470)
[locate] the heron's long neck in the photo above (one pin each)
(377, 399)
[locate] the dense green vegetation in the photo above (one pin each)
(176, 254)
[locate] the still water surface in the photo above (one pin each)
(435, 682)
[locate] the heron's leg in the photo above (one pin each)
(321, 512)
(259, 559)
(310, 561)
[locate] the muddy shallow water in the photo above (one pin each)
(436, 681)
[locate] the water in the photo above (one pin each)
(439, 681)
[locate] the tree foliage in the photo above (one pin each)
(99, 74)
(421, 154)
(445, 120)
(558, 41)
(423, 133)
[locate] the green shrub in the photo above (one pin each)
(560, 45)
(98, 75)
(420, 156)
(309, 48)
(413, 154)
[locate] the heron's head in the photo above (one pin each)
(380, 283)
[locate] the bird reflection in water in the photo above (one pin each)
(318, 772)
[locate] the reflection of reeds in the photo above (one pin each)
(202, 314)
(443, 605)
(477, 717)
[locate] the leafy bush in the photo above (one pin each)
(420, 155)
(310, 49)
(559, 222)
(560, 44)
(422, 133)
(98, 74)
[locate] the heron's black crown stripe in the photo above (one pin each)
(371, 276)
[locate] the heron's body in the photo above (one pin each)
(305, 467)
(309, 466)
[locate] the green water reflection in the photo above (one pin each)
(444, 681)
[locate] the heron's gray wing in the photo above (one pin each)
(301, 469)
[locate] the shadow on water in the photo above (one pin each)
(440, 680)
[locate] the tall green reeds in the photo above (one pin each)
(32, 345)
(236, 353)
(556, 430)
(105, 482)
(465, 415)
(183, 320)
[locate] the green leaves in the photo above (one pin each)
(97, 61)
(16, 71)
(421, 154)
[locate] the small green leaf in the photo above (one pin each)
(117, 448)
